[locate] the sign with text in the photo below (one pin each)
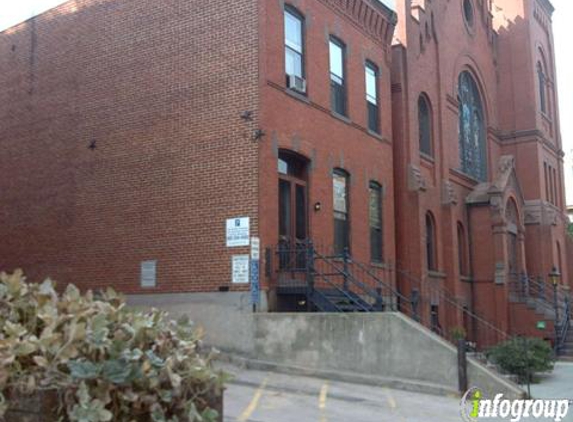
(149, 274)
(255, 265)
(255, 248)
(237, 232)
(240, 269)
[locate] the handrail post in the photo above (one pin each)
(557, 322)
(379, 305)
(462, 366)
(345, 257)
(415, 297)
(309, 275)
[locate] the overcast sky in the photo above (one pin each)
(14, 11)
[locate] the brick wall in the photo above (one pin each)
(158, 87)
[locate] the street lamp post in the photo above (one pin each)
(554, 279)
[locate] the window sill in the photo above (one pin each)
(428, 158)
(376, 135)
(341, 117)
(379, 264)
(466, 177)
(436, 274)
(297, 95)
(466, 279)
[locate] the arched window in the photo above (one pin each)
(340, 196)
(469, 13)
(512, 221)
(375, 219)
(425, 125)
(542, 86)
(431, 255)
(462, 250)
(472, 134)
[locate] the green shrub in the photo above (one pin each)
(458, 333)
(523, 357)
(106, 362)
(570, 229)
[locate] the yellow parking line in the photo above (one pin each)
(254, 402)
(391, 400)
(322, 402)
(323, 396)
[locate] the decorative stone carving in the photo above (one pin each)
(373, 17)
(543, 213)
(449, 196)
(416, 181)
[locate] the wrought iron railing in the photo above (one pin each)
(363, 287)
(553, 299)
(564, 327)
(480, 333)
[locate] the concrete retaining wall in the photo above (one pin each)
(378, 348)
(226, 317)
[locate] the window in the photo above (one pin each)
(555, 188)
(375, 214)
(431, 242)
(471, 128)
(340, 208)
(294, 48)
(424, 126)
(547, 196)
(542, 85)
(469, 13)
(371, 74)
(337, 85)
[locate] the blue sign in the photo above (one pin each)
(255, 282)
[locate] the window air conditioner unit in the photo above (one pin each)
(296, 83)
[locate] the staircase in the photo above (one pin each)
(338, 283)
(550, 303)
(566, 351)
(333, 283)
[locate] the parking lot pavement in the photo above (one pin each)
(256, 396)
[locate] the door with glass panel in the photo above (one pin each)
(293, 211)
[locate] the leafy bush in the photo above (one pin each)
(458, 333)
(570, 229)
(106, 362)
(523, 357)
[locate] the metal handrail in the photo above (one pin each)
(349, 276)
(344, 292)
(448, 297)
(564, 328)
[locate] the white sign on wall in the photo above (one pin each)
(255, 248)
(240, 269)
(237, 232)
(148, 274)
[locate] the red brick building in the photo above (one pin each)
(418, 149)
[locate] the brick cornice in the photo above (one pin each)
(371, 16)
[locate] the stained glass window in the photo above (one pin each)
(471, 129)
